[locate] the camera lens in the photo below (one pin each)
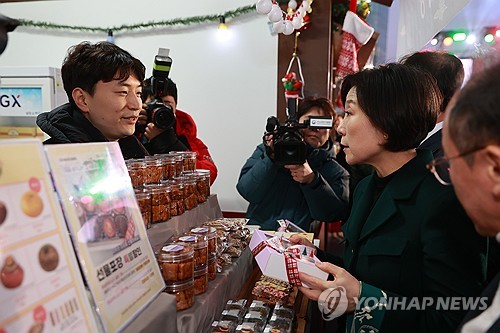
(164, 117)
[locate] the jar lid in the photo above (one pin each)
(173, 287)
(201, 271)
(198, 241)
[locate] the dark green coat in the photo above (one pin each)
(417, 241)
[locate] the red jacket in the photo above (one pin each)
(187, 127)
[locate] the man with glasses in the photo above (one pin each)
(471, 142)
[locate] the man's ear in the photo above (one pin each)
(80, 97)
(493, 164)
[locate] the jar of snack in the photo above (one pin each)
(179, 162)
(184, 293)
(176, 262)
(154, 170)
(210, 233)
(202, 184)
(160, 202)
(176, 195)
(190, 200)
(137, 172)
(212, 268)
(168, 165)
(144, 203)
(200, 246)
(189, 160)
(200, 280)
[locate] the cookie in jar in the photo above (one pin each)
(210, 233)
(184, 293)
(200, 246)
(176, 262)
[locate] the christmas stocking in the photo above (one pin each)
(356, 34)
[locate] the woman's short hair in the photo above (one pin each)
(316, 102)
(401, 101)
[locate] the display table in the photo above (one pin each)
(161, 314)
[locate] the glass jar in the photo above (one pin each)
(168, 165)
(211, 234)
(179, 162)
(184, 293)
(200, 247)
(144, 203)
(212, 268)
(160, 202)
(202, 185)
(137, 172)
(200, 280)
(154, 170)
(188, 159)
(190, 200)
(176, 262)
(176, 195)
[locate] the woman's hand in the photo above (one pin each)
(342, 279)
(295, 239)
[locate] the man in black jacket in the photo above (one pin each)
(104, 85)
(471, 142)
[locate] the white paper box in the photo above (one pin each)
(272, 263)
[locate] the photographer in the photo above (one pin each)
(104, 84)
(315, 190)
(180, 136)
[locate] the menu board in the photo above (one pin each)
(41, 287)
(107, 229)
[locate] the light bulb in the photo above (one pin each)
(279, 26)
(222, 23)
(263, 6)
(275, 14)
(288, 28)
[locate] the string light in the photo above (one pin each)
(222, 23)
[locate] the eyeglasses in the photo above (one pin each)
(440, 166)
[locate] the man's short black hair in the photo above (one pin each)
(87, 63)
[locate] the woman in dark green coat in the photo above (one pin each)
(412, 258)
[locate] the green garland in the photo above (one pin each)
(141, 26)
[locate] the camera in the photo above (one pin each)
(158, 113)
(289, 145)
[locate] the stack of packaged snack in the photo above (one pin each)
(273, 290)
(257, 318)
(176, 261)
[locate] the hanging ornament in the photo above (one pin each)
(289, 29)
(275, 14)
(264, 6)
(279, 26)
(305, 5)
(297, 22)
(306, 22)
(294, 20)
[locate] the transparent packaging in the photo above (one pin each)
(184, 293)
(154, 170)
(200, 280)
(202, 185)
(176, 262)
(137, 172)
(211, 234)
(200, 246)
(144, 203)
